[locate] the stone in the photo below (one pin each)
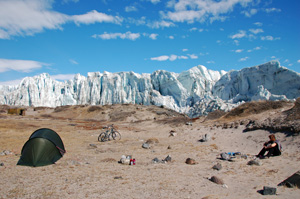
(146, 146)
(217, 167)
(155, 160)
(292, 181)
(205, 138)
(269, 191)
(254, 162)
(168, 159)
(190, 161)
(217, 180)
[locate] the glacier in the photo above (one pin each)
(194, 92)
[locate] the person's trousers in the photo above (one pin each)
(274, 151)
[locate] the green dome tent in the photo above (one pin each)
(44, 147)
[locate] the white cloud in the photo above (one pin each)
(193, 56)
(298, 61)
(153, 36)
(268, 10)
(201, 10)
(210, 62)
(193, 29)
(169, 57)
(63, 77)
(28, 17)
(94, 17)
(25, 66)
(258, 23)
(239, 35)
(67, 1)
(256, 31)
(239, 50)
(236, 42)
(130, 9)
(72, 61)
(155, 1)
(269, 38)
(127, 35)
(244, 59)
(160, 24)
(249, 13)
(184, 50)
(171, 37)
(160, 58)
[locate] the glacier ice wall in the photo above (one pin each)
(195, 92)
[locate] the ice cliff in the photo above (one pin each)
(194, 92)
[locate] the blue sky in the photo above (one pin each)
(67, 37)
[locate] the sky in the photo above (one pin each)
(66, 37)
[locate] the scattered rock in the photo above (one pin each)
(152, 141)
(118, 177)
(156, 160)
(92, 146)
(205, 138)
(189, 124)
(292, 181)
(254, 162)
(217, 180)
(172, 133)
(269, 191)
(168, 159)
(1, 164)
(217, 167)
(169, 147)
(190, 161)
(6, 152)
(146, 146)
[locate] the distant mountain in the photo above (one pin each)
(195, 92)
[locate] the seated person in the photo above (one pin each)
(272, 146)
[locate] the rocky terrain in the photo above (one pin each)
(182, 159)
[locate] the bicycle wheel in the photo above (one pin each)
(102, 137)
(116, 135)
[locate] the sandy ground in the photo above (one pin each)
(94, 172)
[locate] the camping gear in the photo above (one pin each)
(44, 147)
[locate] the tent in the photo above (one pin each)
(44, 147)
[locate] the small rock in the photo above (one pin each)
(146, 146)
(169, 147)
(205, 138)
(6, 152)
(190, 161)
(269, 191)
(118, 177)
(93, 146)
(217, 180)
(168, 159)
(254, 162)
(189, 124)
(217, 167)
(155, 160)
(1, 164)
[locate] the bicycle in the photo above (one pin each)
(110, 132)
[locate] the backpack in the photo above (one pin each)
(279, 145)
